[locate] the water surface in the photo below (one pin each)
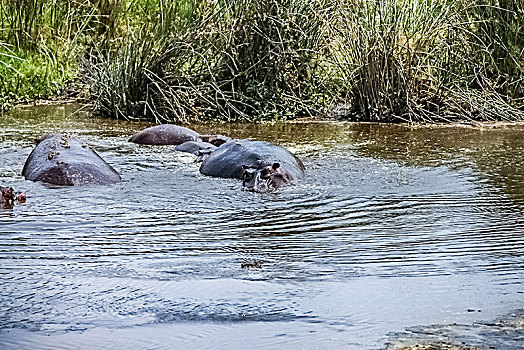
(396, 234)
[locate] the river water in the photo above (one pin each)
(398, 235)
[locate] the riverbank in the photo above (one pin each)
(185, 61)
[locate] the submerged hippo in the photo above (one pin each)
(60, 160)
(261, 166)
(165, 134)
(216, 140)
(8, 197)
(196, 147)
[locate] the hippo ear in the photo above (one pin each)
(276, 166)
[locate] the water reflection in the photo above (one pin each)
(493, 154)
(393, 227)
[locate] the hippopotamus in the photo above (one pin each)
(262, 166)
(168, 134)
(165, 134)
(216, 140)
(60, 160)
(196, 147)
(8, 197)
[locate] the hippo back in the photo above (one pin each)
(59, 160)
(195, 147)
(228, 159)
(165, 134)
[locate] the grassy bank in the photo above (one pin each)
(40, 42)
(183, 60)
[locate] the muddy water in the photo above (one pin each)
(398, 235)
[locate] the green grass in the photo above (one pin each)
(431, 60)
(186, 60)
(40, 42)
(41, 75)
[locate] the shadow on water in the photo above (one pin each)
(393, 229)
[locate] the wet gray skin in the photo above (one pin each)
(262, 166)
(216, 140)
(60, 160)
(196, 147)
(165, 134)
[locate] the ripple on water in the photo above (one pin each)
(383, 233)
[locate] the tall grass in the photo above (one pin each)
(386, 53)
(26, 24)
(233, 60)
(39, 43)
(184, 60)
(492, 49)
(431, 60)
(138, 75)
(271, 55)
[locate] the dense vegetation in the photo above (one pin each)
(183, 60)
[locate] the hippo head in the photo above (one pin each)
(8, 197)
(8, 194)
(21, 197)
(264, 178)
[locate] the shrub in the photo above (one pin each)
(233, 60)
(430, 60)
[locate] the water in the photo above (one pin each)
(397, 236)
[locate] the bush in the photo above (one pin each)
(187, 60)
(431, 60)
(234, 60)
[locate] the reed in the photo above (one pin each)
(136, 76)
(27, 24)
(493, 53)
(271, 54)
(236, 60)
(186, 60)
(431, 60)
